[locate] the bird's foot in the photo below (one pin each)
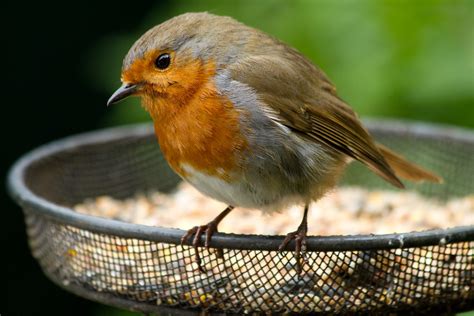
(299, 236)
(210, 228)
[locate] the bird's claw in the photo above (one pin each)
(299, 236)
(198, 231)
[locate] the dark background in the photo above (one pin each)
(410, 59)
(46, 96)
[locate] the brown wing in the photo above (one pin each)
(303, 99)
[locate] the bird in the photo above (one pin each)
(249, 120)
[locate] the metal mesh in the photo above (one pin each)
(129, 270)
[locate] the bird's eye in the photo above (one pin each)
(163, 61)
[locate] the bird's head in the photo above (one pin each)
(171, 61)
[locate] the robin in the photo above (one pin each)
(249, 120)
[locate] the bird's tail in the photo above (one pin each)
(405, 169)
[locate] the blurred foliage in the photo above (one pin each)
(411, 59)
(104, 310)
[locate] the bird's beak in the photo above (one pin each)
(126, 90)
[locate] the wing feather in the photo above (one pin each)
(306, 102)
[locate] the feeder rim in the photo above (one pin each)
(33, 203)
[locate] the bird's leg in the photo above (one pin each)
(300, 239)
(210, 228)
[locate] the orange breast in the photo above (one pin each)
(201, 130)
(205, 134)
(194, 123)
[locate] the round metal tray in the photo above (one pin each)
(143, 268)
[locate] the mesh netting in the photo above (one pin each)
(127, 269)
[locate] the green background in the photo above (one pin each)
(411, 59)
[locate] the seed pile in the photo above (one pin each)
(344, 211)
(267, 281)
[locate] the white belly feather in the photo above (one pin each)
(235, 193)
